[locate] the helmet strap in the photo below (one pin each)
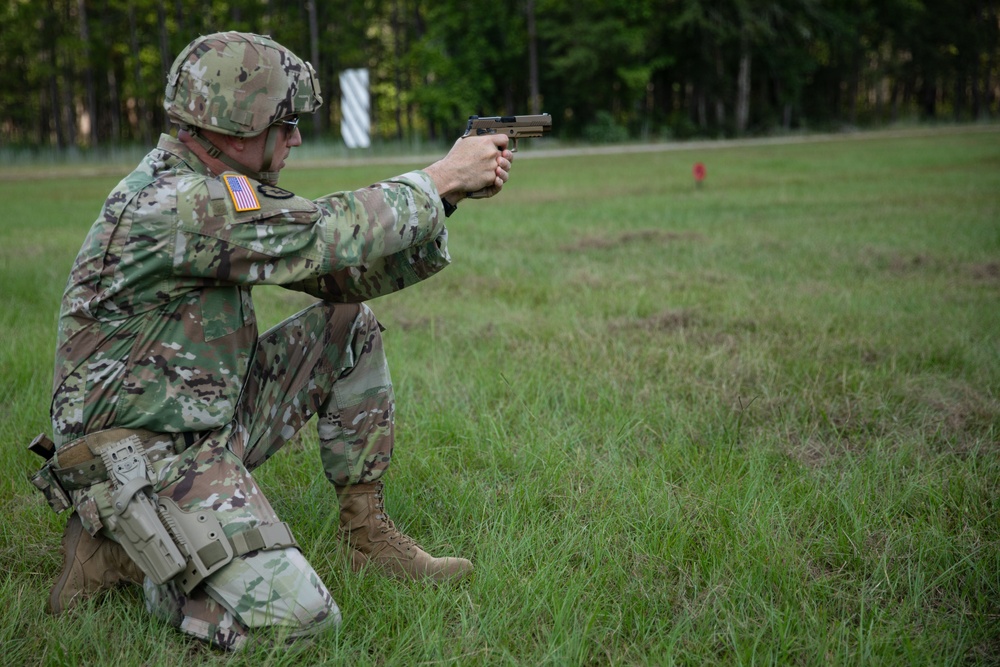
(270, 177)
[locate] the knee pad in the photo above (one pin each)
(275, 589)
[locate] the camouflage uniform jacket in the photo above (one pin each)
(157, 326)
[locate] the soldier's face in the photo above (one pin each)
(253, 148)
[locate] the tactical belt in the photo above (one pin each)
(165, 541)
(77, 467)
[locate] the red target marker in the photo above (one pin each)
(699, 173)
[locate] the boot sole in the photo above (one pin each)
(359, 562)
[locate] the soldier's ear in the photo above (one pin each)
(224, 142)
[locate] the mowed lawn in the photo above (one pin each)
(755, 422)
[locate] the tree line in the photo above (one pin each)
(91, 72)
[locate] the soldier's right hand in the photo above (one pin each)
(478, 165)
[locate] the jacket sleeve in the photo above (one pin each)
(346, 246)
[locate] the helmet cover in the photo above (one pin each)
(238, 84)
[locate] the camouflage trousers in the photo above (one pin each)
(327, 361)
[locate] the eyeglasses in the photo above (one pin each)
(291, 123)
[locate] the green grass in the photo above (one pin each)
(756, 422)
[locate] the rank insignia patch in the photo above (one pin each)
(241, 192)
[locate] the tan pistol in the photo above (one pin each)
(515, 127)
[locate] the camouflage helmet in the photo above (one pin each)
(238, 84)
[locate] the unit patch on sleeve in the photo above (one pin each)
(273, 191)
(243, 195)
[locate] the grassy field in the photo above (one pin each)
(756, 422)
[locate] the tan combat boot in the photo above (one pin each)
(90, 564)
(370, 536)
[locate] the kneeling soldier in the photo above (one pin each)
(165, 397)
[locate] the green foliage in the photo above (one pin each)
(83, 74)
(599, 57)
(754, 422)
(605, 130)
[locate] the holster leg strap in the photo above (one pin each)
(264, 537)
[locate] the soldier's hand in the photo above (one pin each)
(479, 165)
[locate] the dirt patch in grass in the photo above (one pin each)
(987, 650)
(820, 448)
(958, 415)
(986, 272)
(684, 318)
(934, 416)
(811, 452)
(903, 264)
(658, 236)
(411, 324)
(28, 251)
(896, 263)
(668, 320)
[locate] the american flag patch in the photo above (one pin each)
(243, 195)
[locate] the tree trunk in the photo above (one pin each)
(853, 92)
(55, 114)
(720, 104)
(397, 47)
(181, 26)
(977, 98)
(894, 101)
(49, 23)
(535, 98)
(702, 110)
(743, 86)
(958, 105)
(54, 100)
(419, 28)
(88, 73)
(67, 102)
(41, 120)
(142, 128)
(928, 99)
(320, 119)
(988, 96)
(165, 58)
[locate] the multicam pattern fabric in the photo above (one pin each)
(275, 589)
(197, 614)
(157, 323)
(157, 332)
(239, 84)
(327, 360)
(278, 591)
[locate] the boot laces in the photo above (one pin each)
(387, 526)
